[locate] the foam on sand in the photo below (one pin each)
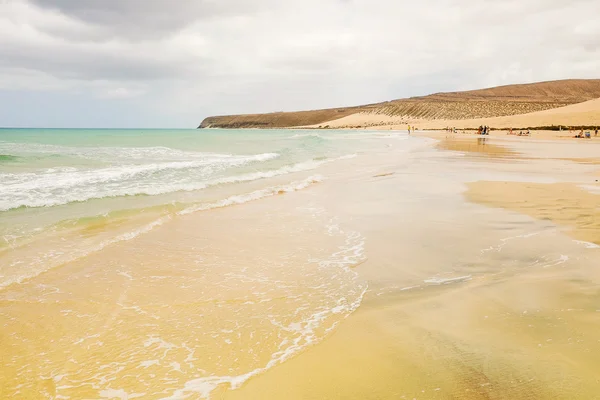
(22, 270)
(63, 187)
(446, 281)
(304, 332)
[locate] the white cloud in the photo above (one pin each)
(202, 57)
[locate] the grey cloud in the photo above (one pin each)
(149, 18)
(198, 57)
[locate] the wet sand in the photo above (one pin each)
(480, 145)
(562, 203)
(471, 291)
(520, 325)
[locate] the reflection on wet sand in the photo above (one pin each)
(386, 280)
(472, 145)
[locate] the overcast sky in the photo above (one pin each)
(170, 63)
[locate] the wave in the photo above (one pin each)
(587, 245)
(594, 189)
(307, 136)
(447, 281)
(257, 194)
(58, 186)
(126, 154)
(48, 263)
(45, 264)
(69, 176)
(8, 158)
(63, 187)
(305, 331)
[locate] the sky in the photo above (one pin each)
(170, 63)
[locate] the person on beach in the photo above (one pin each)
(409, 129)
(596, 132)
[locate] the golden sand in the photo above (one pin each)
(590, 161)
(582, 114)
(464, 301)
(431, 111)
(563, 203)
(479, 145)
(484, 340)
(178, 306)
(521, 332)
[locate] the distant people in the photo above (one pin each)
(409, 129)
(596, 132)
(510, 131)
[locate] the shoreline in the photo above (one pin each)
(458, 298)
(451, 340)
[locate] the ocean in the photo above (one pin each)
(55, 180)
(199, 264)
(94, 210)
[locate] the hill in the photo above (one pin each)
(493, 102)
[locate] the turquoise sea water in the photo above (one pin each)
(55, 181)
(124, 272)
(40, 168)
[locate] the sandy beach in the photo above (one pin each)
(581, 114)
(431, 267)
(515, 318)
(299, 200)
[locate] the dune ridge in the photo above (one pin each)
(501, 101)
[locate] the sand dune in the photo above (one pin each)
(582, 114)
(502, 101)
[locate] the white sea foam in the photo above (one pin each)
(595, 189)
(446, 281)
(124, 154)
(305, 331)
(503, 242)
(306, 135)
(60, 186)
(52, 260)
(45, 190)
(205, 386)
(119, 394)
(558, 261)
(255, 195)
(587, 245)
